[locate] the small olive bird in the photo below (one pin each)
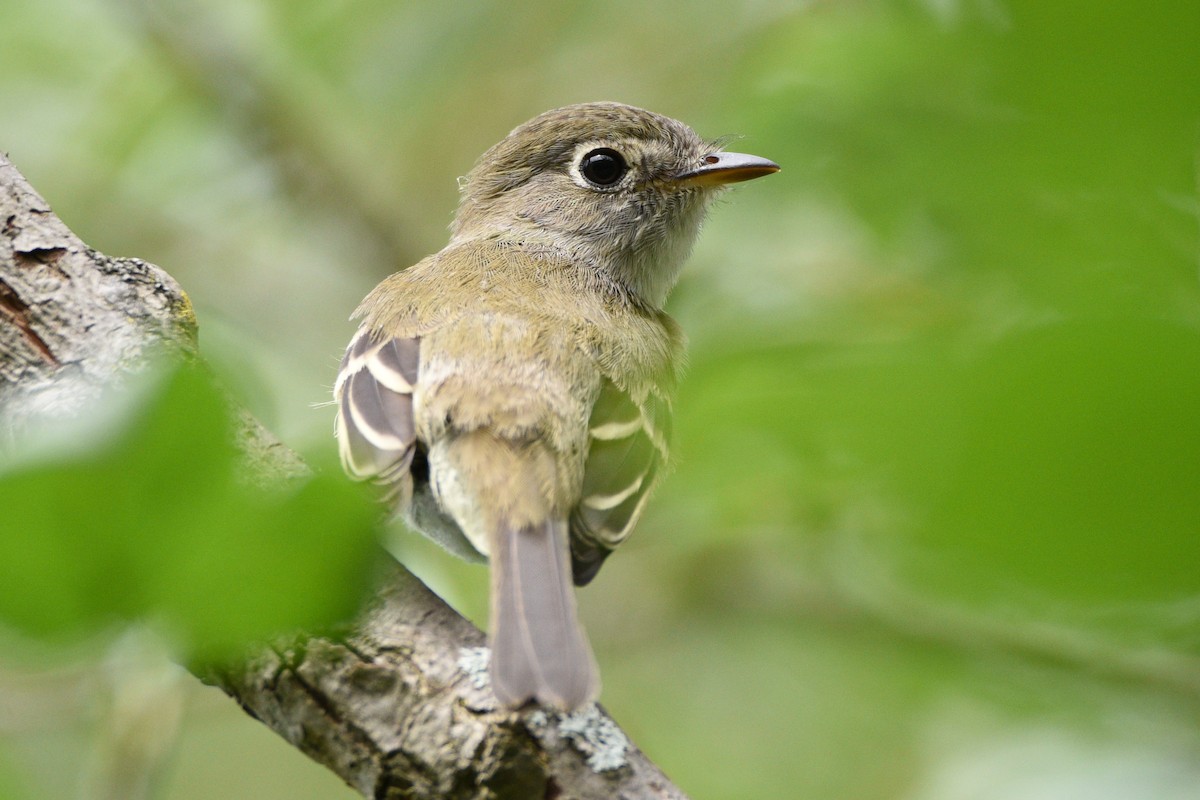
(513, 391)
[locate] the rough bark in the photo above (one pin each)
(398, 704)
(73, 320)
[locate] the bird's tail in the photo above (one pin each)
(539, 649)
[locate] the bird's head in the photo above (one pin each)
(616, 187)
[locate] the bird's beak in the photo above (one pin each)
(721, 168)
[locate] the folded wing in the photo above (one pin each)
(376, 437)
(628, 447)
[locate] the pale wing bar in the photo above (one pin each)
(629, 443)
(376, 437)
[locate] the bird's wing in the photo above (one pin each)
(376, 436)
(628, 446)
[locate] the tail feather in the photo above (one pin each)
(539, 649)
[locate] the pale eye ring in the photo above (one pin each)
(603, 166)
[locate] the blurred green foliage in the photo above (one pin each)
(934, 529)
(1025, 402)
(161, 520)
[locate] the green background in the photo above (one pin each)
(933, 533)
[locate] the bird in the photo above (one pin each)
(513, 393)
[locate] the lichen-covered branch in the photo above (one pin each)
(397, 704)
(400, 708)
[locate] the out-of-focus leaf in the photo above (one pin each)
(161, 522)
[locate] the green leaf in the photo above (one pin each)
(160, 522)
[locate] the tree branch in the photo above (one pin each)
(398, 705)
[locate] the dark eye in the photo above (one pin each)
(603, 166)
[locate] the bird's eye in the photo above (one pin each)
(603, 166)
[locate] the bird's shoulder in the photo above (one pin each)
(628, 341)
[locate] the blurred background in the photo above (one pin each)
(933, 533)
